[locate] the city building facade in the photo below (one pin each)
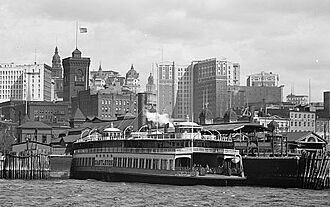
(43, 111)
(76, 75)
(101, 79)
(302, 121)
(260, 95)
(322, 128)
(283, 123)
(212, 79)
(263, 79)
(184, 95)
(297, 99)
(105, 104)
(30, 82)
(167, 87)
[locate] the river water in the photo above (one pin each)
(97, 193)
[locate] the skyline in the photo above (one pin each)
(287, 38)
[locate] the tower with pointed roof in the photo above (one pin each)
(76, 75)
(57, 77)
(132, 81)
(56, 65)
(151, 87)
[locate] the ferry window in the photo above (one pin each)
(119, 161)
(141, 164)
(135, 163)
(171, 164)
(155, 164)
(130, 162)
(124, 161)
(93, 161)
(115, 161)
(163, 164)
(148, 163)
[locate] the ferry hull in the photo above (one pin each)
(157, 179)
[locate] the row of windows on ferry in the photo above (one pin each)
(137, 146)
(127, 162)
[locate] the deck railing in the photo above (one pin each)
(157, 150)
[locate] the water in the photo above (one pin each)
(97, 193)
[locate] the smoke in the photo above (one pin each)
(157, 118)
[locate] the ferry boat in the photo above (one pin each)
(185, 155)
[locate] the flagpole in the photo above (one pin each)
(76, 34)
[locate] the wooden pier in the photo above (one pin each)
(34, 166)
(314, 170)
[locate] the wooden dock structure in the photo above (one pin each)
(33, 166)
(314, 170)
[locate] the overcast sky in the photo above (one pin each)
(291, 38)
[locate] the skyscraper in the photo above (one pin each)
(167, 87)
(211, 81)
(76, 75)
(184, 96)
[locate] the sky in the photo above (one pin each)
(287, 37)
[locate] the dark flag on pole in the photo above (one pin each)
(83, 30)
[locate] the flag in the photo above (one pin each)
(83, 30)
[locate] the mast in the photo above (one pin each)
(76, 34)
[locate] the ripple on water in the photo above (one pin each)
(96, 193)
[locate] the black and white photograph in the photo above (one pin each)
(164, 103)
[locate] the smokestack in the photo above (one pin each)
(142, 100)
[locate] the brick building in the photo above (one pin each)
(43, 111)
(105, 103)
(76, 75)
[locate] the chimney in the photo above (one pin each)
(141, 117)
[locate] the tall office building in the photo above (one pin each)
(212, 79)
(263, 79)
(167, 87)
(184, 96)
(30, 82)
(76, 75)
